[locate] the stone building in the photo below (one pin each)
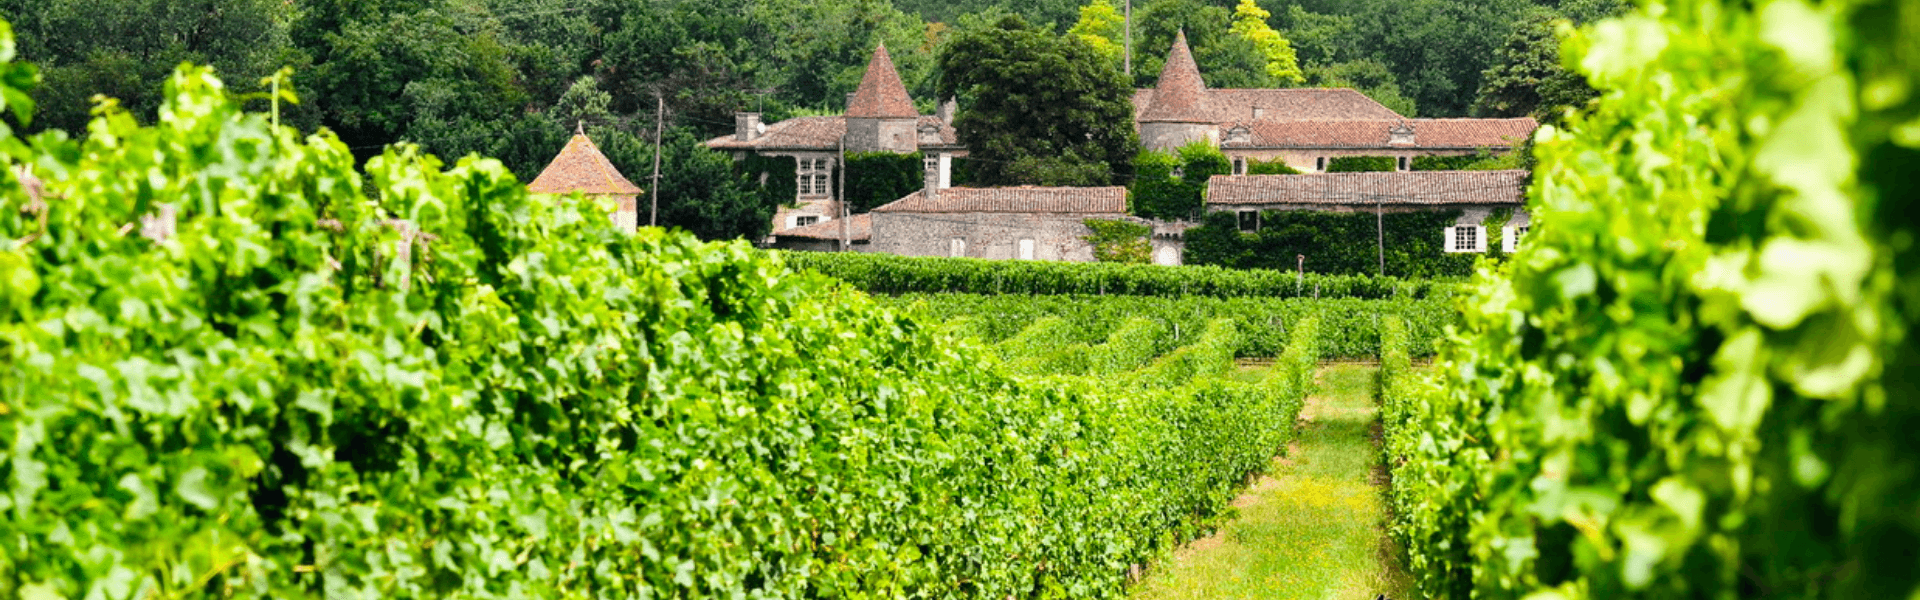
(1308, 127)
(880, 117)
(1027, 223)
(580, 167)
(825, 236)
(1476, 194)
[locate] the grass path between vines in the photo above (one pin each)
(1313, 528)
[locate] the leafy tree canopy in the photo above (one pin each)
(1039, 108)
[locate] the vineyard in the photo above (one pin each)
(239, 364)
(446, 388)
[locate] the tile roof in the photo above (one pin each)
(859, 228)
(881, 95)
(580, 167)
(1294, 104)
(1023, 199)
(812, 133)
(1427, 133)
(1181, 96)
(1399, 188)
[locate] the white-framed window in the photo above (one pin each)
(1026, 249)
(816, 177)
(805, 220)
(1320, 163)
(1514, 233)
(1403, 163)
(1466, 238)
(1249, 221)
(1239, 166)
(957, 247)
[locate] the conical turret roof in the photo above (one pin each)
(581, 167)
(1181, 96)
(881, 95)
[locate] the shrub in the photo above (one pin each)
(1356, 164)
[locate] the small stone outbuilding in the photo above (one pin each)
(1476, 194)
(1028, 223)
(581, 167)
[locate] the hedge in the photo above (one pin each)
(892, 274)
(1336, 244)
(876, 178)
(1356, 164)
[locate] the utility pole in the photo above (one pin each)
(1380, 231)
(1129, 43)
(842, 196)
(659, 123)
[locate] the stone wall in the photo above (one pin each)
(883, 135)
(985, 235)
(1168, 136)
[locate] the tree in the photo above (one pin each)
(1226, 60)
(1527, 78)
(1250, 23)
(124, 49)
(1099, 26)
(701, 192)
(1041, 108)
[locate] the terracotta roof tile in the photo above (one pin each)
(1398, 188)
(1180, 96)
(580, 167)
(812, 133)
(1296, 104)
(1472, 133)
(859, 228)
(1427, 133)
(1024, 199)
(881, 95)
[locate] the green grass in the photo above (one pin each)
(1311, 530)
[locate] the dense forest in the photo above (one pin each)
(512, 79)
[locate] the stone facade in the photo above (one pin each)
(986, 235)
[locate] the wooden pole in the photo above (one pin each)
(1128, 62)
(659, 125)
(842, 196)
(1380, 231)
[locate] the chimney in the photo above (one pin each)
(930, 188)
(746, 126)
(946, 110)
(1259, 113)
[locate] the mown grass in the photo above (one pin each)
(1311, 530)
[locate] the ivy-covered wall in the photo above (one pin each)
(777, 177)
(1339, 243)
(1172, 185)
(1120, 241)
(876, 178)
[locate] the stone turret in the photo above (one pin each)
(880, 115)
(1179, 111)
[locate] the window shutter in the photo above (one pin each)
(1507, 238)
(1451, 247)
(1479, 238)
